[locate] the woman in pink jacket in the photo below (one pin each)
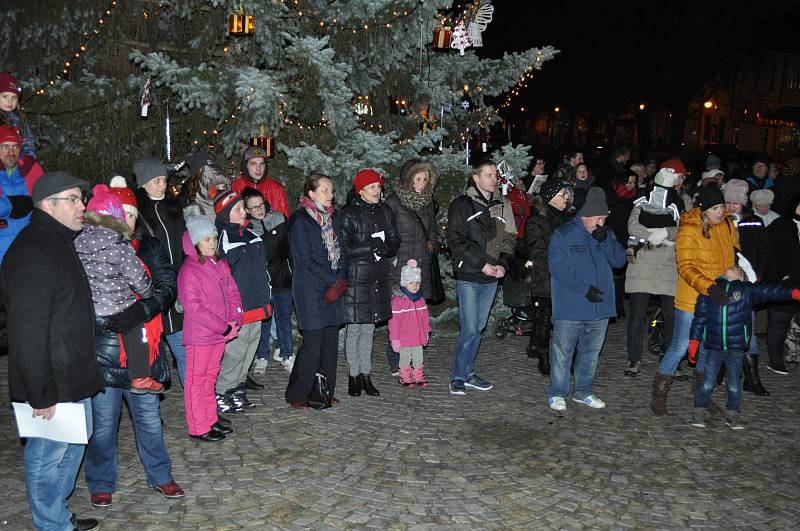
(410, 326)
(212, 316)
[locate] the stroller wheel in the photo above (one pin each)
(500, 329)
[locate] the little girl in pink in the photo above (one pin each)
(212, 316)
(410, 326)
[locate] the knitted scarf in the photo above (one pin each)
(324, 217)
(413, 200)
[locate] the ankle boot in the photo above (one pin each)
(366, 385)
(533, 352)
(419, 376)
(406, 377)
(544, 362)
(697, 381)
(658, 401)
(354, 386)
(758, 388)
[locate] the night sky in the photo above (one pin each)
(615, 53)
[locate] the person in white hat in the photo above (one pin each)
(762, 203)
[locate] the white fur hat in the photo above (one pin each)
(410, 273)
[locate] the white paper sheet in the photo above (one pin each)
(67, 425)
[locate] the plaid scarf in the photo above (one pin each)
(324, 217)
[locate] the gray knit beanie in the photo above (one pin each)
(200, 227)
(147, 169)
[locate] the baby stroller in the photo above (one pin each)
(517, 296)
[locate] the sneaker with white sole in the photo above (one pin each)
(476, 382)
(591, 401)
(276, 355)
(557, 402)
(288, 363)
(457, 387)
(260, 366)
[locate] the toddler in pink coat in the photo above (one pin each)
(212, 316)
(410, 326)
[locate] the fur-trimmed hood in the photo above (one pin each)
(412, 167)
(94, 219)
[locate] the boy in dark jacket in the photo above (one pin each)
(725, 332)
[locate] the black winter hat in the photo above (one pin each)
(709, 196)
(550, 189)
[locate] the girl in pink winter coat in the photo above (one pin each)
(410, 326)
(212, 316)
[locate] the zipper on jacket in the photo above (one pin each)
(169, 248)
(725, 322)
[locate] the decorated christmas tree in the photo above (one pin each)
(336, 86)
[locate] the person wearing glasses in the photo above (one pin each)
(272, 228)
(52, 358)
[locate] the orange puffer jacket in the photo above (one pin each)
(701, 260)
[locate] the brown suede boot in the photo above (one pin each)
(697, 381)
(661, 385)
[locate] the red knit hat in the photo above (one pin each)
(9, 83)
(119, 187)
(224, 202)
(675, 165)
(366, 177)
(8, 134)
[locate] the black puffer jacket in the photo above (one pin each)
(163, 219)
(785, 263)
(415, 227)
(730, 327)
(273, 229)
(538, 231)
(755, 242)
(165, 289)
(368, 296)
(50, 317)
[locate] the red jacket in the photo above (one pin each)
(521, 208)
(410, 323)
(271, 189)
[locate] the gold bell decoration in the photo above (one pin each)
(264, 142)
(241, 24)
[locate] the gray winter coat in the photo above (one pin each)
(655, 270)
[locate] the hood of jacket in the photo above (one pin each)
(412, 167)
(692, 218)
(93, 219)
(188, 248)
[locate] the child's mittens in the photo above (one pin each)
(796, 294)
(657, 236)
(694, 345)
(396, 345)
(231, 331)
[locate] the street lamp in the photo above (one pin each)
(557, 109)
(708, 104)
(642, 106)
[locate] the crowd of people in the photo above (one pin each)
(218, 275)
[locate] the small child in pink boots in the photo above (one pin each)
(410, 326)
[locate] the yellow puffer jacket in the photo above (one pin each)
(701, 260)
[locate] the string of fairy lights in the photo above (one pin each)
(335, 24)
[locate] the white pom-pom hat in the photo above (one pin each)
(410, 273)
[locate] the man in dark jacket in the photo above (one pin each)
(481, 235)
(581, 255)
(51, 340)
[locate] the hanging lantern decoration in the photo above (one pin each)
(241, 24)
(428, 122)
(460, 40)
(481, 16)
(361, 106)
(147, 98)
(398, 105)
(441, 37)
(264, 142)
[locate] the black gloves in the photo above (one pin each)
(600, 233)
(718, 296)
(379, 247)
(593, 295)
(21, 205)
(127, 319)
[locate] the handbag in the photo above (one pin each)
(320, 397)
(437, 295)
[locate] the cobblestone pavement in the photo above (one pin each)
(420, 458)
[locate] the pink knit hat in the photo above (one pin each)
(736, 191)
(105, 203)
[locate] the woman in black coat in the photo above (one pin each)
(318, 282)
(784, 267)
(551, 209)
(371, 239)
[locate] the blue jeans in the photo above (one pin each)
(280, 326)
(474, 303)
(680, 344)
(733, 377)
(51, 468)
(262, 352)
(101, 455)
(588, 336)
(175, 342)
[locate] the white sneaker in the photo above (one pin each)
(260, 366)
(276, 355)
(557, 402)
(288, 363)
(591, 401)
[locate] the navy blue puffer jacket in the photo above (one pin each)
(730, 327)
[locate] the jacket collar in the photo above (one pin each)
(47, 222)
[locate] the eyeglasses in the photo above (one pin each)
(73, 199)
(257, 207)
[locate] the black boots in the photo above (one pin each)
(752, 382)
(354, 385)
(366, 385)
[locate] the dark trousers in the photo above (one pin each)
(319, 352)
(542, 323)
(636, 321)
(777, 326)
